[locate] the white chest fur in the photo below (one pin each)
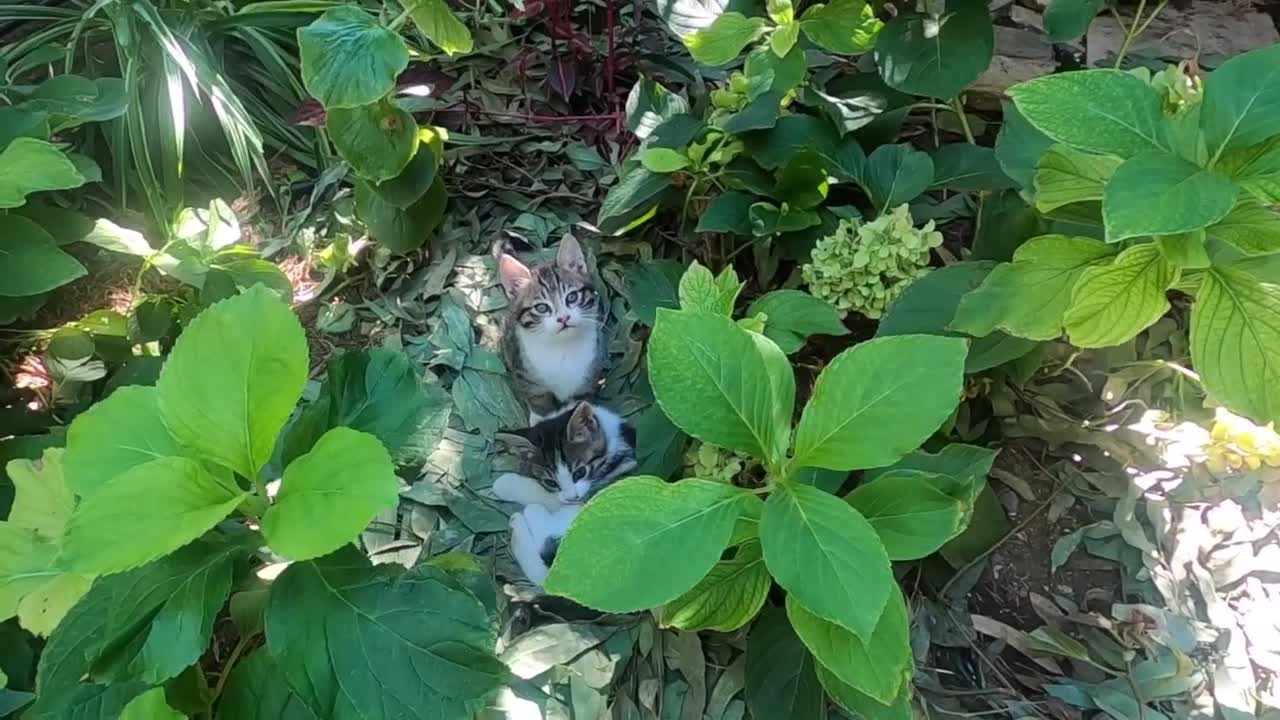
(558, 362)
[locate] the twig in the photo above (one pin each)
(964, 121)
(239, 649)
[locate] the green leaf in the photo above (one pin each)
(72, 100)
(913, 513)
(632, 200)
(783, 38)
(1255, 168)
(724, 40)
(685, 17)
(727, 213)
(793, 315)
(1100, 111)
(165, 504)
(703, 292)
(663, 160)
(42, 499)
(654, 285)
(1250, 227)
(29, 165)
(348, 60)
(1019, 145)
(936, 56)
(722, 384)
(878, 666)
(863, 705)
(649, 105)
(895, 174)
(1067, 20)
(120, 432)
(414, 181)
(1241, 103)
(255, 692)
(766, 72)
(767, 220)
(803, 181)
(1110, 304)
(232, 410)
(771, 149)
(846, 27)
(26, 565)
(378, 140)
(966, 465)
(150, 705)
(1235, 342)
(929, 303)
(780, 679)
(355, 640)
(148, 624)
(15, 123)
(727, 598)
(1185, 251)
(401, 230)
(33, 263)
(346, 479)
(435, 20)
(1159, 194)
(850, 113)
(760, 113)
(826, 555)
(643, 542)
(1029, 296)
(965, 167)
(1065, 176)
(879, 400)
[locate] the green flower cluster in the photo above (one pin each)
(709, 462)
(864, 266)
(735, 94)
(1180, 89)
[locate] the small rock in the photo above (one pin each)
(1223, 29)
(1019, 55)
(1026, 18)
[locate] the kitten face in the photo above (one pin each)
(580, 452)
(552, 302)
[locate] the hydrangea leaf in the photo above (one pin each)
(1112, 303)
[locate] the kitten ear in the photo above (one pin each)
(570, 257)
(583, 423)
(514, 274)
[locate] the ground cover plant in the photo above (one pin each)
(945, 329)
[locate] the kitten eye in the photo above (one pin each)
(543, 308)
(571, 298)
(580, 473)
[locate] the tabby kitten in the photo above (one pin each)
(552, 337)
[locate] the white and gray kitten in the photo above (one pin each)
(572, 456)
(552, 338)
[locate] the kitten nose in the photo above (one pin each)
(563, 320)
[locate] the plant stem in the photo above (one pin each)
(958, 106)
(1135, 29)
(239, 649)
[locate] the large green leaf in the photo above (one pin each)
(120, 432)
(348, 60)
(1160, 194)
(780, 679)
(1255, 168)
(913, 512)
(827, 555)
(29, 165)
(649, 105)
(1065, 176)
(330, 494)
(71, 100)
(401, 230)
(165, 504)
(961, 166)
(862, 705)
(1102, 111)
(632, 200)
(727, 213)
(1250, 227)
(233, 378)
(1235, 342)
(32, 260)
(255, 692)
(1112, 303)
(791, 316)
(1067, 20)
(721, 383)
(936, 56)
(1241, 103)
(643, 542)
(895, 174)
(150, 705)
(378, 139)
(878, 400)
(1028, 297)
(148, 624)
(702, 291)
(26, 565)
(878, 666)
(724, 40)
(727, 598)
(15, 123)
(847, 27)
(357, 641)
(100, 701)
(1019, 145)
(415, 180)
(435, 20)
